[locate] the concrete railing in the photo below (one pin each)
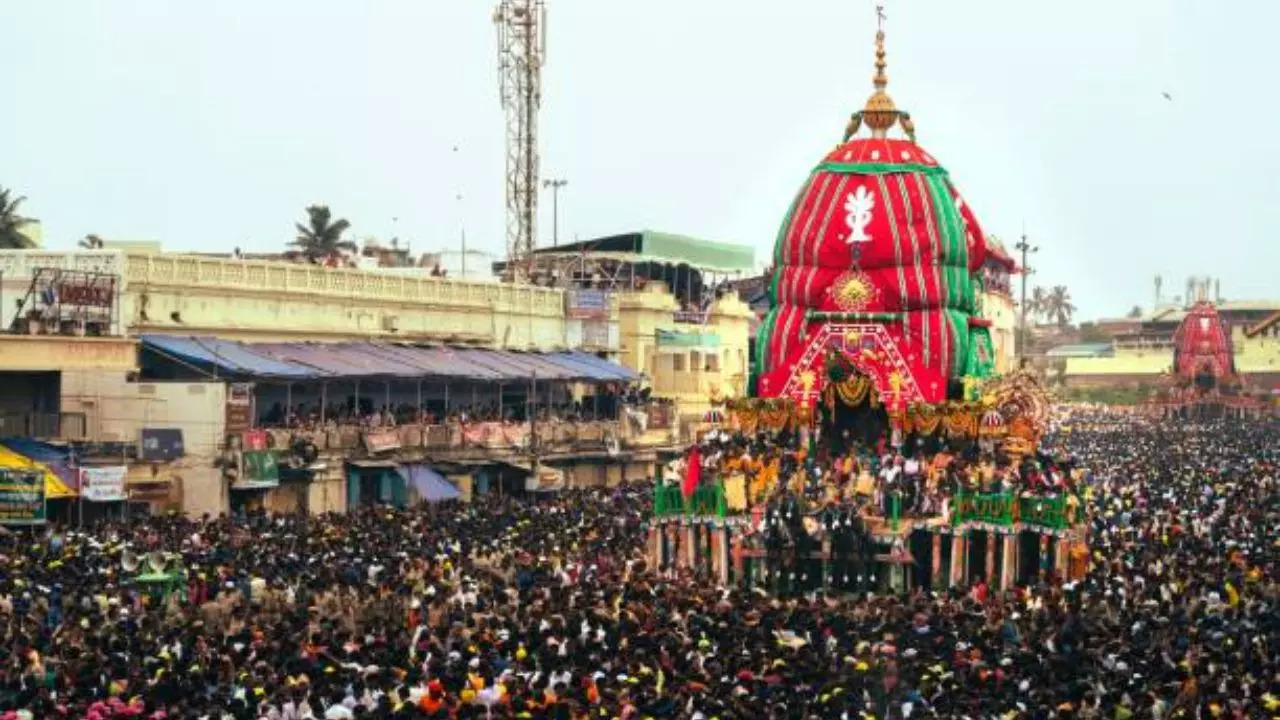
(195, 271)
(553, 436)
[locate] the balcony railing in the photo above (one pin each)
(552, 437)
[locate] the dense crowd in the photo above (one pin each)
(545, 608)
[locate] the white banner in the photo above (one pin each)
(102, 484)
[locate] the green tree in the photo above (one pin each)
(321, 237)
(11, 222)
(1058, 306)
(91, 242)
(1135, 312)
(1037, 304)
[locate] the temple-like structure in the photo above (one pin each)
(874, 337)
(1203, 381)
(877, 261)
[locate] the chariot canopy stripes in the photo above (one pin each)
(878, 233)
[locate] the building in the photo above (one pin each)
(997, 304)
(1142, 349)
(160, 363)
(681, 324)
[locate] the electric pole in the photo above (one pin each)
(555, 184)
(1026, 249)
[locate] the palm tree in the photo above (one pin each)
(1135, 312)
(11, 223)
(1037, 305)
(91, 242)
(1059, 308)
(321, 237)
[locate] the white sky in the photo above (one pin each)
(210, 125)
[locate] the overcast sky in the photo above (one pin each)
(210, 125)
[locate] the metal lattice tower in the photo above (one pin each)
(521, 54)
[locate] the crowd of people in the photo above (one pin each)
(546, 608)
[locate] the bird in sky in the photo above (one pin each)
(1167, 96)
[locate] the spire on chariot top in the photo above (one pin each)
(880, 114)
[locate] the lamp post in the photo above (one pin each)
(1026, 249)
(555, 184)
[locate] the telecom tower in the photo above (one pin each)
(522, 44)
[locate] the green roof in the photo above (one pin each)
(660, 247)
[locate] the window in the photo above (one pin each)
(677, 362)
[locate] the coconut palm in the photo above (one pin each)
(11, 223)
(1059, 308)
(1135, 312)
(91, 242)
(1037, 303)
(321, 237)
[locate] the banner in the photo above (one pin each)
(587, 305)
(239, 411)
(21, 497)
(102, 484)
(376, 441)
(259, 469)
(253, 440)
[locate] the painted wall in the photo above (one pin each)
(687, 374)
(999, 308)
(260, 300)
(116, 409)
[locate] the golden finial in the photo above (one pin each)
(880, 114)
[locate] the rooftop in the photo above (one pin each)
(660, 247)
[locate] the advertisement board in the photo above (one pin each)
(103, 484)
(259, 469)
(22, 500)
(587, 305)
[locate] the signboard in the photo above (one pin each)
(253, 440)
(239, 407)
(382, 440)
(259, 469)
(102, 484)
(160, 445)
(587, 305)
(595, 334)
(22, 497)
(91, 291)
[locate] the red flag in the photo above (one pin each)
(692, 472)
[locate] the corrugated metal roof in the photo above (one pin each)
(229, 357)
(366, 359)
(606, 370)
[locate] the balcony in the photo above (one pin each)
(44, 426)
(450, 441)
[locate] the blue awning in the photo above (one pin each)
(305, 361)
(600, 369)
(431, 485)
(229, 357)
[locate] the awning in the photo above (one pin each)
(355, 360)
(431, 485)
(54, 488)
(56, 457)
(231, 358)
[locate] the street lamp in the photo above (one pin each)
(555, 184)
(1026, 249)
